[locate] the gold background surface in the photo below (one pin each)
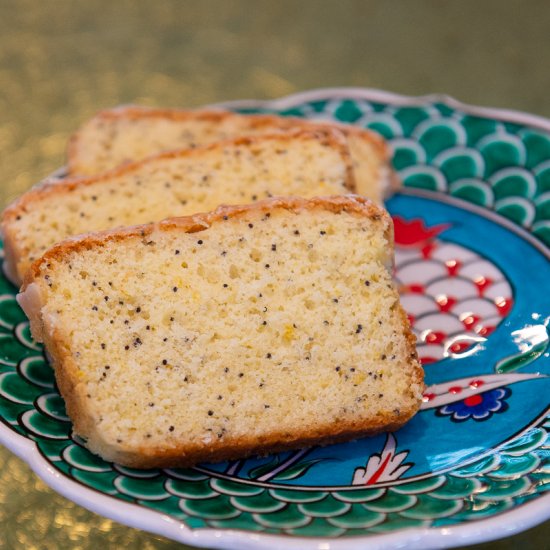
(61, 61)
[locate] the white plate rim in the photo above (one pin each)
(382, 96)
(499, 526)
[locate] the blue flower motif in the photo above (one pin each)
(479, 407)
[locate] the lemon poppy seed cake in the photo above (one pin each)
(239, 332)
(304, 163)
(118, 135)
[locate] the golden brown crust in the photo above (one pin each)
(180, 454)
(185, 455)
(140, 111)
(412, 354)
(394, 184)
(13, 249)
(12, 252)
(351, 204)
(64, 365)
(327, 136)
(66, 377)
(271, 121)
(233, 448)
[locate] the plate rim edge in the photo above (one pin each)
(524, 516)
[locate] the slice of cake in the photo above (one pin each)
(304, 163)
(118, 135)
(239, 332)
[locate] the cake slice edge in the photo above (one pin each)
(44, 329)
(358, 137)
(15, 251)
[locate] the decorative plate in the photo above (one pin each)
(472, 228)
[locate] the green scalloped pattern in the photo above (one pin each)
(483, 488)
(501, 166)
(440, 148)
(488, 486)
